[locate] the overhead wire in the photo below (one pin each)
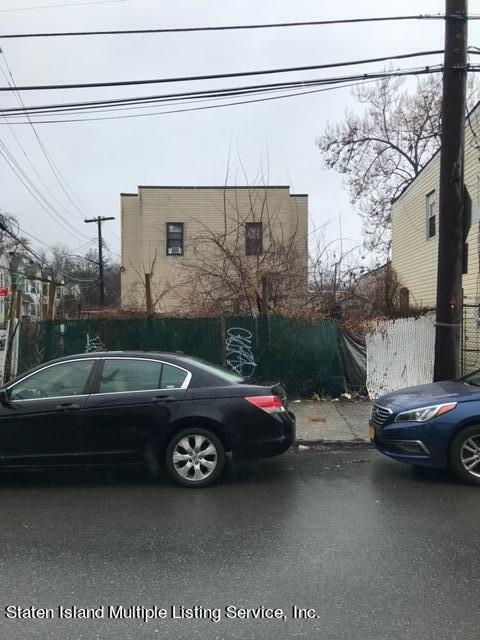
(216, 93)
(27, 156)
(237, 27)
(39, 258)
(359, 80)
(28, 159)
(220, 76)
(59, 177)
(60, 6)
(21, 174)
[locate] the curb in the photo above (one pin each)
(330, 444)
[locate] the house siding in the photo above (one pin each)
(414, 257)
(144, 217)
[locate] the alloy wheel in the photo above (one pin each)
(470, 455)
(195, 457)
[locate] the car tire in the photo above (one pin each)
(464, 452)
(195, 457)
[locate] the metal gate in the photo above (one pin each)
(470, 338)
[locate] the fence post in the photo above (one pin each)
(223, 339)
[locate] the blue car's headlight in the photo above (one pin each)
(423, 414)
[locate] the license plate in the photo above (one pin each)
(371, 433)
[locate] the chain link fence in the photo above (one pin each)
(303, 355)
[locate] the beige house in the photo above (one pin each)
(213, 249)
(415, 226)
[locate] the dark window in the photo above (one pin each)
(130, 375)
(431, 208)
(172, 377)
(139, 375)
(66, 379)
(254, 238)
(220, 372)
(174, 238)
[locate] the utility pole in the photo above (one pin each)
(52, 288)
(10, 333)
(99, 220)
(148, 294)
(450, 213)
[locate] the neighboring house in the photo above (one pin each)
(28, 276)
(369, 279)
(194, 241)
(415, 226)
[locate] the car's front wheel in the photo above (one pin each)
(465, 455)
(195, 457)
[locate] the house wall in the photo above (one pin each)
(144, 217)
(414, 258)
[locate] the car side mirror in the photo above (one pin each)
(5, 398)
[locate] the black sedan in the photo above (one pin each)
(123, 408)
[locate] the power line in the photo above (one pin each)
(183, 96)
(49, 246)
(41, 260)
(59, 6)
(154, 99)
(59, 108)
(27, 157)
(237, 27)
(218, 76)
(360, 80)
(34, 190)
(59, 177)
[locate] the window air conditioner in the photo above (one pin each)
(174, 251)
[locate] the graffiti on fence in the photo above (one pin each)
(240, 356)
(94, 344)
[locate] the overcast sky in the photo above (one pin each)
(102, 159)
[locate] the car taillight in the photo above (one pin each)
(270, 404)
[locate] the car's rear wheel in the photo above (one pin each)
(465, 455)
(195, 457)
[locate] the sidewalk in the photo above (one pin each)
(331, 421)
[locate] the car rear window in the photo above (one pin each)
(217, 370)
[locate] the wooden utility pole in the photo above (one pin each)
(148, 294)
(450, 214)
(52, 288)
(10, 333)
(99, 220)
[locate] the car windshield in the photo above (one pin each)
(217, 370)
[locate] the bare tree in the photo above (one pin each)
(335, 266)
(79, 275)
(382, 150)
(224, 279)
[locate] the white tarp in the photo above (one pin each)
(400, 353)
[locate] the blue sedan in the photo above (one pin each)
(432, 425)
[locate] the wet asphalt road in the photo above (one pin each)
(377, 549)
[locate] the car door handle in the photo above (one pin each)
(163, 399)
(66, 406)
